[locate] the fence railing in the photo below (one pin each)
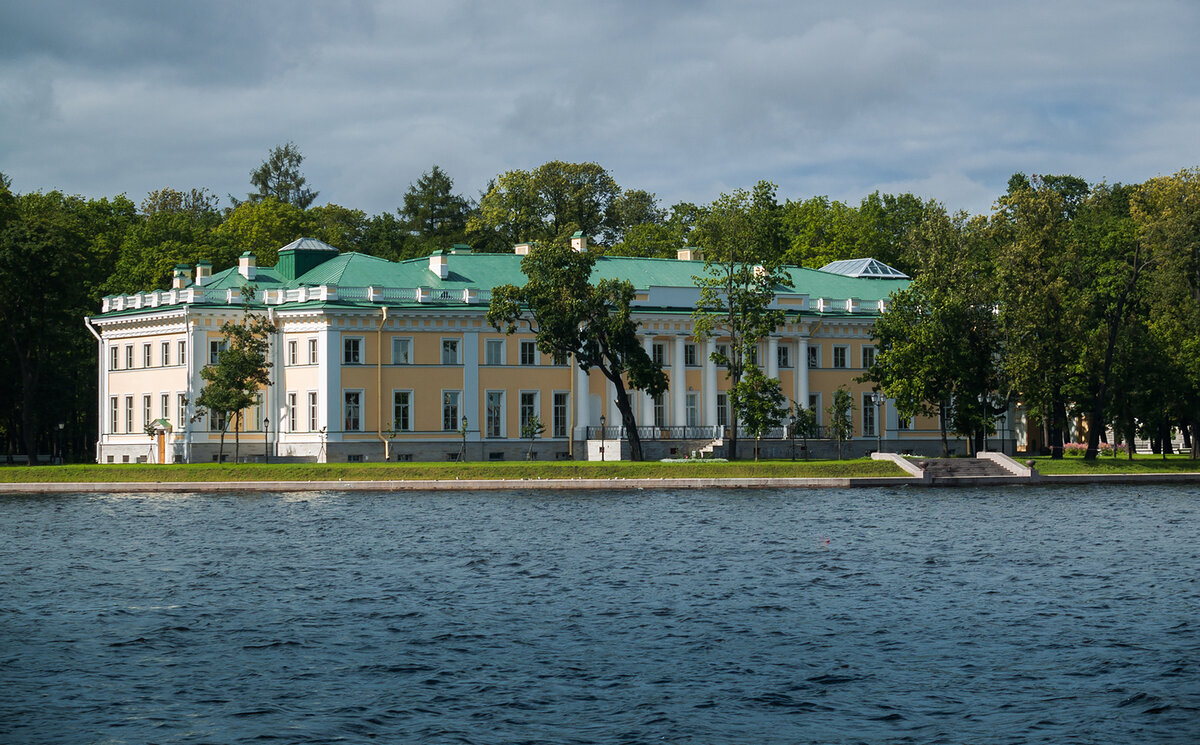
(657, 433)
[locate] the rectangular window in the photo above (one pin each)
(528, 353)
(693, 410)
(722, 409)
(784, 357)
(494, 426)
(839, 357)
(352, 351)
(723, 351)
(314, 422)
(291, 412)
(689, 355)
(559, 414)
(182, 353)
(814, 356)
(450, 410)
(312, 352)
(181, 415)
(215, 347)
(292, 345)
(658, 353)
(402, 411)
(352, 411)
(529, 407)
(903, 422)
(660, 410)
(450, 355)
(868, 415)
(166, 355)
(493, 352)
(113, 415)
(165, 406)
(146, 361)
(814, 404)
(128, 356)
(114, 358)
(754, 355)
(147, 415)
(256, 417)
(129, 415)
(218, 422)
(401, 351)
(868, 357)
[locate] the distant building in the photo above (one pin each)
(376, 359)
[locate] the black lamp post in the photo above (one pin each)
(792, 430)
(983, 424)
(462, 455)
(61, 441)
(267, 439)
(602, 435)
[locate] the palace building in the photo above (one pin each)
(376, 360)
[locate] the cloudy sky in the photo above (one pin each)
(684, 99)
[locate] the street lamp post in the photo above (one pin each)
(462, 430)
(983, 423)
(602, 434)
(878, 398)
(267, 438)
(792, 429)
(61, 450)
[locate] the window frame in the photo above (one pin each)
(293, 352)
(292, 402)
(405, 343)
(182, 352)
(114, 358)
(524, 411)
(814, 356)
(498, 421)
(215, 347)
(454, 344)
(658, 353)
(451, 397)
(147, 355)
(407, 407)
(359, 414)
(783, 357)
(488, 346)
(353, 347)
(165, 350)
(114, 414)
(844, 349)
(869, 415)
(560, 413)
(868, 350)
(314, 411)
(314, 351)
(528, 353)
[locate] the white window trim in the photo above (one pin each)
(846, 358)
(537, 406)
(862, 353)
(314, 350)
(181, 355)
(362, 351)
(293, 352)
(503, 352)
(530, 343)
(362, 409)
(458, 351)
(312, 405)
(412, 409)
(411, 346)
(567, 418)
(813, 356)
(503, 414)
(442, 409)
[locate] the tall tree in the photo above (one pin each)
(279, 177)
(532, 206)
(569, 315)
(759, 403)
(742, 239)
(433, 214)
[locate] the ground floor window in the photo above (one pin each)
(450, 410)
(559, 415)
(291, 412)
(313, 410)
(113, 416)
(693, 410)
(722, 410)
(529, 407)
(868, 415)
(494, 426)
(660, 410)
(352, 411)
(402, 411)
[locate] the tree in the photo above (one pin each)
(758, 402)
(532, 206)
(242, 368)
(201, 204)
(804, 424)
(571, 316)
(742, 239)
(262, 227)
(531, 430)
(279, 177)
(841, 411)
(433, 214)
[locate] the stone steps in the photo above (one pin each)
(962, 468)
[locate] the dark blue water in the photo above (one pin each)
(875, 616)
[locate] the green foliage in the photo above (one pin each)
(433, 215)
(741, 235)
(570, 315)
(841, 417)
(262, 227)
(758, 403)
(531, 430)
(279, 178)
(241, 370)
(537, 206)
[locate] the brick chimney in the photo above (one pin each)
(247, 265)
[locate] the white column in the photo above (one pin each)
(582, 410)
(678, 384)
(709, 379)
(773, 357)
(329, 355)
(802, 372)
(470, 402)
(646, 418)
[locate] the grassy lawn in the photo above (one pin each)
(447, 471)
(1141, 463)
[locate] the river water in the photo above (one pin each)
(1017, 615)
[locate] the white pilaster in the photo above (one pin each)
(646, 417)
(709, 380)
(470, 350)
(329, 354)
(773, 357)
(582, 408)
(678, 384)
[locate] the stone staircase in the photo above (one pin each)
(962, 468)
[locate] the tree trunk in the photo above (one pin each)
(237, 438)
(1058, 423)
(29, 404)
(625, 406)
(942, 428)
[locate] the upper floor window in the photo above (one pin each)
(868, 357)
(839, 356)
(528, 353)
(352, 351)
(114, 358)
(166, 354)
(450, 354)
(658, 353)
(312, 351)
(215, 347)
(146, 361)
(689, 355)
(401, 351)
(128, 356)
(784, 356)
(814, 356)
(292, 352)
(493, 352)
(182, 353)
